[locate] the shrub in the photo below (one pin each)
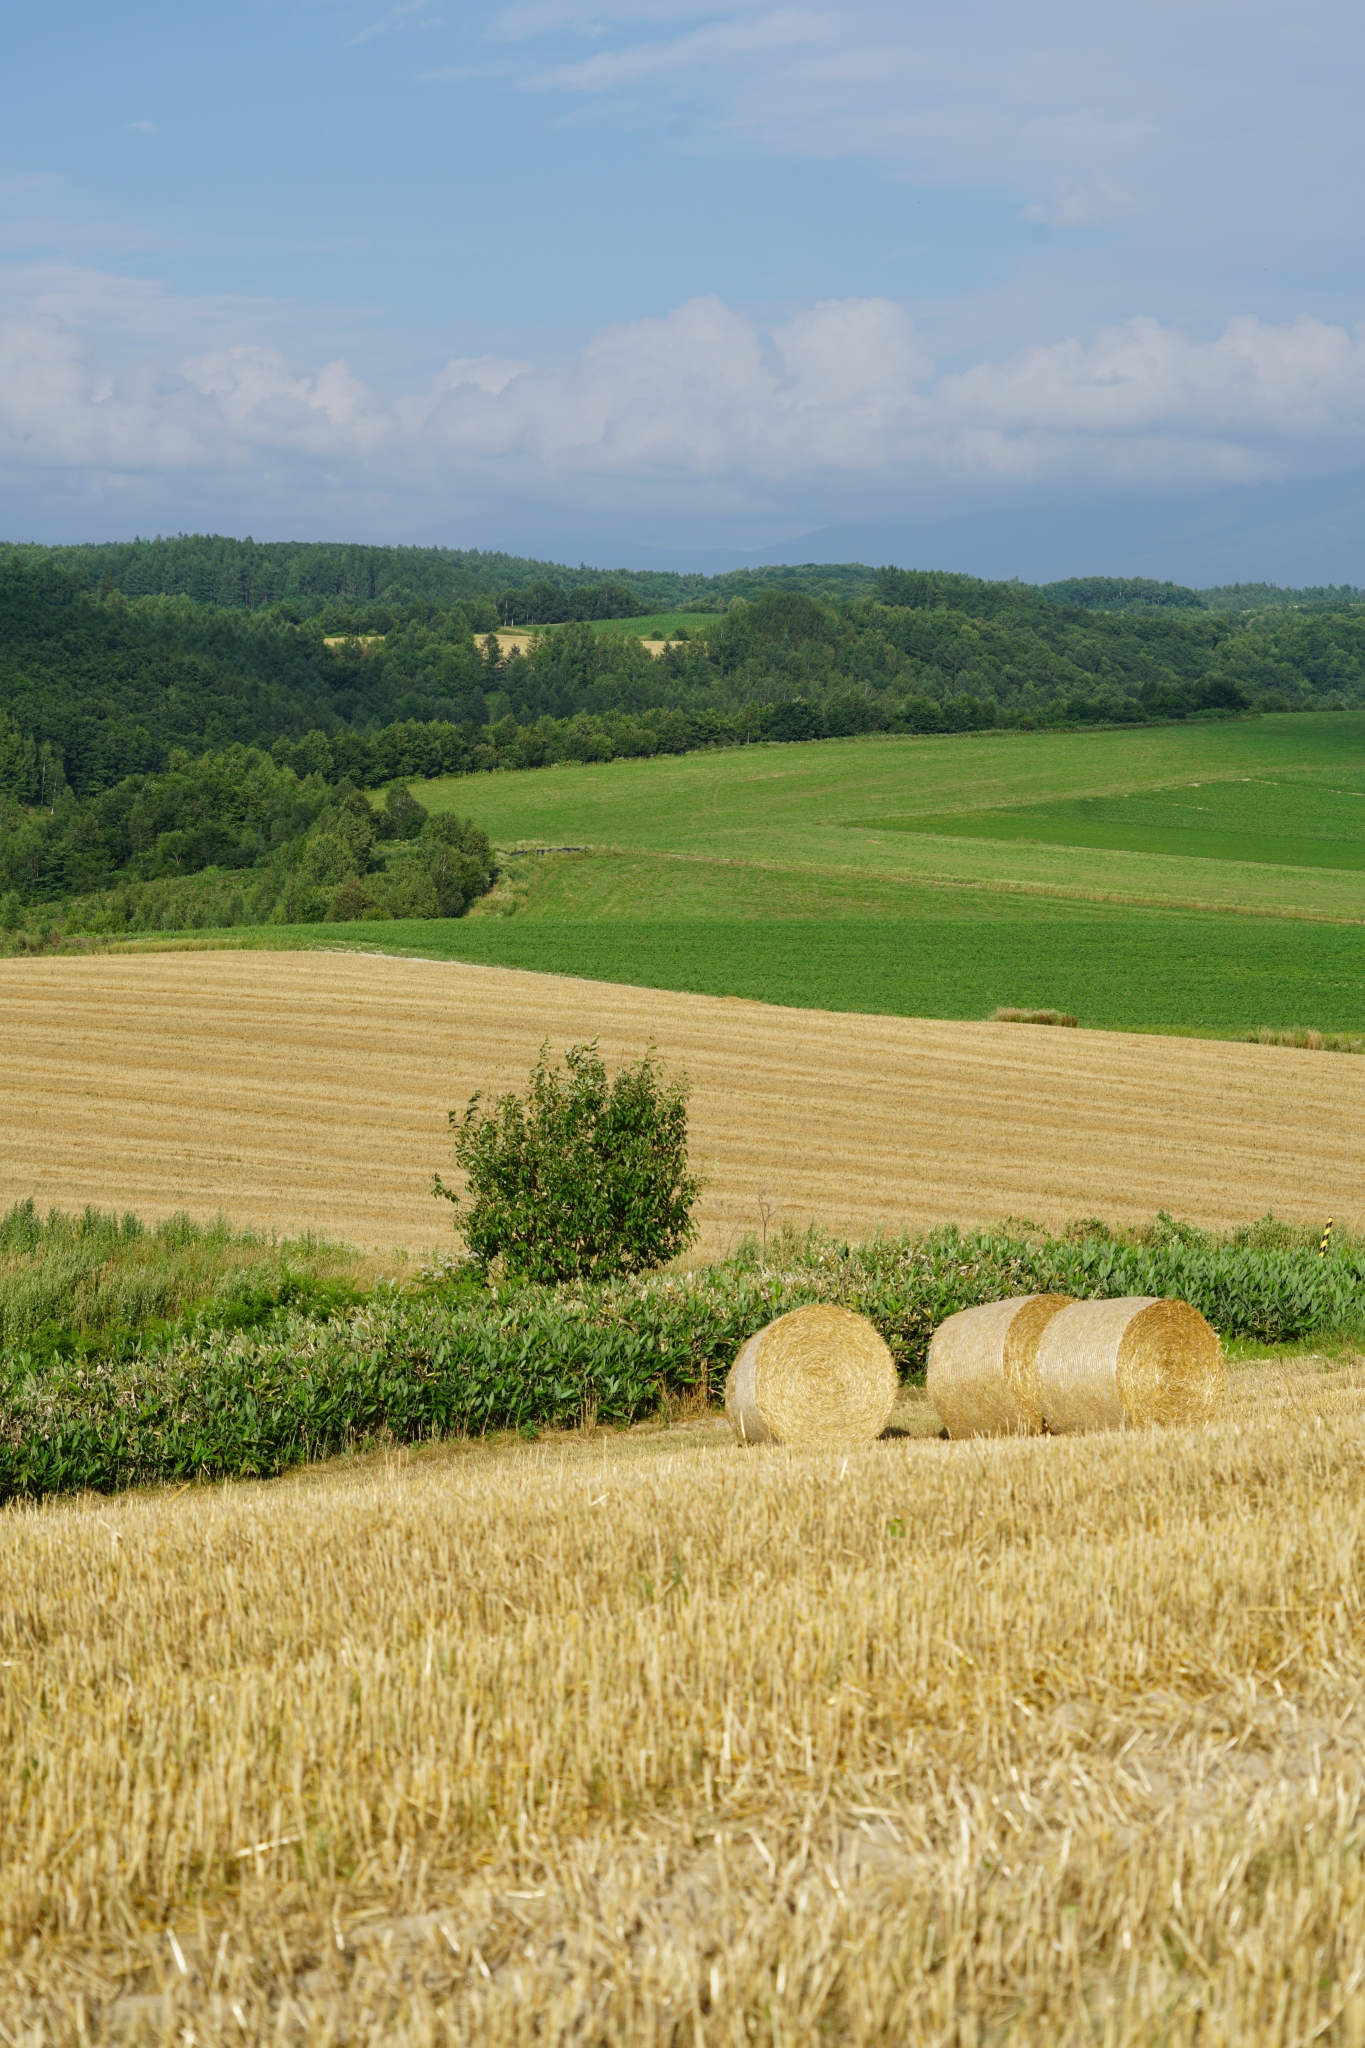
(1008, 1016)
(350, 901)
(584, 1179)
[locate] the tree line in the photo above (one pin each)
(255, 575)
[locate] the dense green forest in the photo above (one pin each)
(147, 735)
(1141, 594)
(253, 575)
(95, 686)
(279, 848)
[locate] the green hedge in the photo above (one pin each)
(408, 1367)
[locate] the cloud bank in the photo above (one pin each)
(839, 409)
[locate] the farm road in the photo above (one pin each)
(309, 1091)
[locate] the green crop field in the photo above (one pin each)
(915, 877)
(789, 874)
(1206, 879)
(1119, 968)
(1278, 821)
(872, 805)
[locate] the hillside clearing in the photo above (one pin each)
(647, 1738)
(511, 640)
(310, 1090)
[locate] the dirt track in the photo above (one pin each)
(310, 1090)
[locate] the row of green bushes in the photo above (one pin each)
(448, 1356)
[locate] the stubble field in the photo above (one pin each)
(309, 1091)
(647, 1739)
(635, 1737)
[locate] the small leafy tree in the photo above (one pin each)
(402, 816)
(456, 854)
(583, 1177)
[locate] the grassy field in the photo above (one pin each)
(1207, 879)
(644, 1738)
(1284, 822)
(845, 804)
(100, 1283)
(947, 954)
(832, 876)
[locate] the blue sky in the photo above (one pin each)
(1047, 290)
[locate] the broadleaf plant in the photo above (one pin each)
(583, 1178)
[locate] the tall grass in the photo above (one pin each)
(1008, 1016)
(1306, 1039)
(100, 1283)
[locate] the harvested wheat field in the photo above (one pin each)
(651, 1739)
(310, 1090)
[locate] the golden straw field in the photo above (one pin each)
(309, 1090)
(646, 1739)
(636, 1737)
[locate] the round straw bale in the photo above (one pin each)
(1126, 1363)
(983, 1366)
(820, 1377)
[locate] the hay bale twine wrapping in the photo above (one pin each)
(821, 1378)
(983, 1366)
(1124, 1364)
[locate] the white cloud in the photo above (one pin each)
(851, 353)
(839, 406)
(261, 400)
(143, 127)
(1299, 385)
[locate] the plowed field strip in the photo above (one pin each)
(309, 1090)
